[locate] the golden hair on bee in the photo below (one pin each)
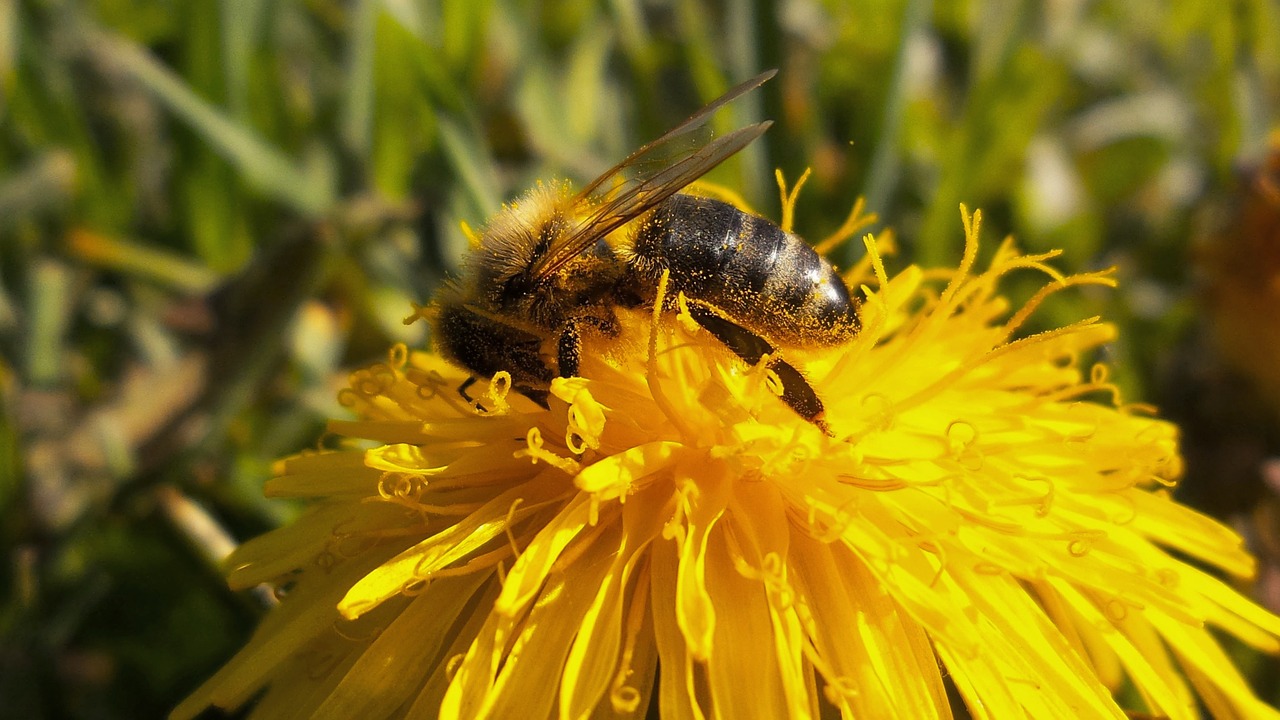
(510, 239)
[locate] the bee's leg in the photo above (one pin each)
(796, 391)
(462, 390)
(538, 396)
(569, 347)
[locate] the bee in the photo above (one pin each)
(552, 269)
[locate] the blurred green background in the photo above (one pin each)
(211, 210)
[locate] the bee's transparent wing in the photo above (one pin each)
(663, 144)
(644, 194)
(640, 194)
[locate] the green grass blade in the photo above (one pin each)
(262, 165)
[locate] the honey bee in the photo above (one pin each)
(551, 270)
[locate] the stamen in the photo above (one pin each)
(348, 398)
(420, 312)
(852, 224)
(673, 414)
(958, 438)
(1081, 542)
(1116, 609)
(506, 527)
(429, 382)
(971, 364)
(373, 381)
(1128, 503)
(492, 559)
(675, 528)
(586, 417)
(535, 452)
(937, 550)
(625, 699)
(789, 199)
(473, 239)
(499, 387)
(885, 245)
(774, 573)
(972, 224)
(414, 587)
(837, 521)
(1096, 278)
(398, 356)
(882, 277)
(882, 411)
(401, 486)
(1045, 502)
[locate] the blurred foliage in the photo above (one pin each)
(210, 209)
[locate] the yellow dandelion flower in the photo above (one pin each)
(984, 512)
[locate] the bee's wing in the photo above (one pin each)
(662, 144)
(643, 193)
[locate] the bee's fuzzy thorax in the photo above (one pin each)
(511, 239)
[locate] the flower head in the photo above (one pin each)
(983, 511)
